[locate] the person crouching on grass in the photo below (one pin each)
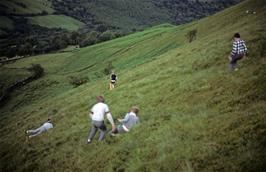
(45, 127)
(97, 114)
(129, 121)
(239, 51)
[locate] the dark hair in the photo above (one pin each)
(236, 35)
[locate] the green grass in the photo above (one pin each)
(195, 114)
(57, 21)
(9, 76)
(33, 7)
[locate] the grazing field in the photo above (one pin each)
(57, 21)
(195, 114)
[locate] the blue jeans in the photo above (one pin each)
(235, 58)
(94, 128)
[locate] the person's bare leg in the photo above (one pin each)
(110, 86)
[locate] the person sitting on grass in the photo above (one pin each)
(45, 127)
(238, 52)
(129, 121)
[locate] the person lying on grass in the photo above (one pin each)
(129, 121)
(45, 127)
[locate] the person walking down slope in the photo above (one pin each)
(113, 80)
(129, 121)
(238, 52)
(97, 114)
(45, 127)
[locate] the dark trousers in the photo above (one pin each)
(235, 58)
(94, 128)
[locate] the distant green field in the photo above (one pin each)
(57, 21)
(27, 6)
(195, 114)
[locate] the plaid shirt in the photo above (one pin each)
(239, 47)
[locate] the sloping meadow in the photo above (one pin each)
(195, 114)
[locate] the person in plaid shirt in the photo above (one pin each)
(238, 52)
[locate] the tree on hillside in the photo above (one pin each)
(37, 70)
(105, 36)
(191, 35)
(101, 28)
(25, 49)
(74, 38)
(11, 52)
(89, 39)
(58, 42)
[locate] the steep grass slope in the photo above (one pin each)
(195, 114)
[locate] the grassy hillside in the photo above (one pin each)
(195, 114)
(128, 15)
(37, 23)
(26, 6)
(57, 21)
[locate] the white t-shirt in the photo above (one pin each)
(47, 125)
(99, 110)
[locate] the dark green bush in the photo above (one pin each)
(77, 81)
(191, 35)
(107, 70)
(37, 70)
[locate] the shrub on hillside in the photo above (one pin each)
(191, 35)
(77, 81)
(105, 36)
(74, 38)
(101, 28)
(37, 70)
(90, 39)
(108, 69)
(25, 49)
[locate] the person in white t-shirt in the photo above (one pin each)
(97, 114)
(45, 127)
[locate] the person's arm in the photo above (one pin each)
(125, 119)
(244, 44)
(91, 112)
(246, 49)
(109, 117)
(234, 49)
(111, 120)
